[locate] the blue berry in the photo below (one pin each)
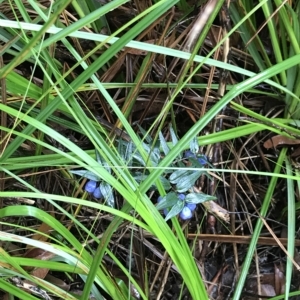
(181, 196)
(90, 186)
(186, 213)
(97, 193)
(188, 154)
(191, 206)
(202, 160)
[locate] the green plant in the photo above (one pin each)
(43, 109)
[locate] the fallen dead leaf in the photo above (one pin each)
(280, 140)
(58, 282)
(279, 280)
(40, 254)
(267, 290)
(239, 239)
(217, 210)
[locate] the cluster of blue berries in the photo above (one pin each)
(187, 211)
(179, 203)
(92, 187)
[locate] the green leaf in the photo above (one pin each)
(163, 144)
(128, 154)
(86, 174)
(175, 210)
(168, 201)
(146, 136)
(197, 198)
(154, 155)
(194, 146)
(178, 174)
(102, 162)
(138, 157)
(184, 179)
(188, 181)
(121, 148)
(139, 177)
(173, 136)
(107, 193)
(165, 183)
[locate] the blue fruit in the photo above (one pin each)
(90, 186)
(202, 160)
(188, 154)
(186, 213)
(97, 193)
(191, 206)
(181, 196)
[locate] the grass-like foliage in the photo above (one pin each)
(126, 134)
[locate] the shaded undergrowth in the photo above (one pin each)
(141, 83)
